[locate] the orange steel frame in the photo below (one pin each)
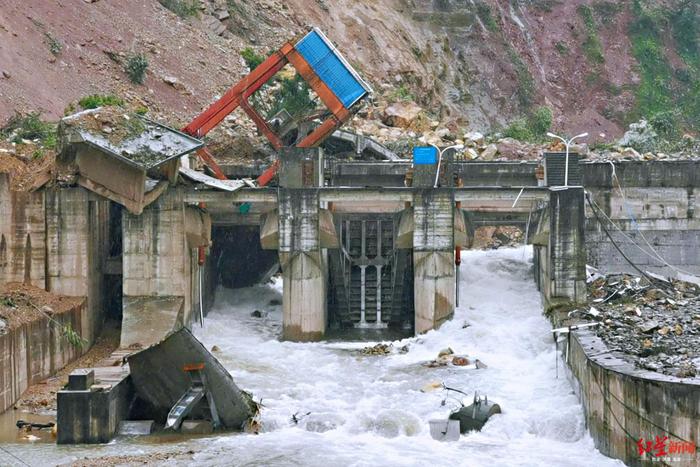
(238, 96)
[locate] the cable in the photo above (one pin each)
(639, 231)
(595, 213)
(656, 257)
(20, 460)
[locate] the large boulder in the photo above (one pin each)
(489, 153)
(401, 114)
(640, 136)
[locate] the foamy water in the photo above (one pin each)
(369, 410)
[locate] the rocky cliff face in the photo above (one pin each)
(479, 63)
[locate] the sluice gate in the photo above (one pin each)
(370, 279)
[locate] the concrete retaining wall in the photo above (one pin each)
(35, 351)
(22, 235)
(659, 206)
(623, 404)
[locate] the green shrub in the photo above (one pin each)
(182, 8)
(135, 67)
(532, 128)
(54, 44)
(30, 127)
(666, 123)
(541, 121)
(402, 93)
(607, 11)
(251, 58)
(293, 96)
(518, 130)
(526, 84)
(99, 100)
(484, 12)
(561, 48)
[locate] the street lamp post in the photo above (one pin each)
(568, 144)
(440, 153)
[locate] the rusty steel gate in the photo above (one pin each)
(371, 282)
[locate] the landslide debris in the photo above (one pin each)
(656, 325)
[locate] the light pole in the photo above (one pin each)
(567, 143)
(440, 153)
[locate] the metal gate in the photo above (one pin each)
(368, 275)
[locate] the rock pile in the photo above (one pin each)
(656, 324)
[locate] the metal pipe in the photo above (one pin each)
(379, 273)
(201, 301)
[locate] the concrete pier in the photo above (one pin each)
(304, 266)
(77, 226)
(160, 269)
(559, 248)
(433, 258)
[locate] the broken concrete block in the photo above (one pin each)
(136, 427)
(81, 379)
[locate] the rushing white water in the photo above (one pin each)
(369, 410)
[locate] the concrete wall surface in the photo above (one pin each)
(22, 235)
(623, 404)
(34, 351)
(655, 204)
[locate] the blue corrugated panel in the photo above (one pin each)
(424, 155)
(330, 68)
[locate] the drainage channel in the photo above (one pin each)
(356, 409)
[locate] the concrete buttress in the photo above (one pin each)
(433, 258)
(304, 265)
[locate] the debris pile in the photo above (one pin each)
(21, 304)
(447, 357)
(379, 349)
(653, 320)
(403, 125)
(491, 237)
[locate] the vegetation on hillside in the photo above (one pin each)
(135, 67)
(669, 97)
(182, 8)
(532, 128)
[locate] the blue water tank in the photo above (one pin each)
(424, 155)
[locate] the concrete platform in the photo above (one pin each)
(92, 411)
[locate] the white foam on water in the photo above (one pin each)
(369, 410)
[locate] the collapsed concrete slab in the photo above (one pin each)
(159, 377)
(126, 158)
(136, 389)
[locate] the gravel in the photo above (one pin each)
(656, 325)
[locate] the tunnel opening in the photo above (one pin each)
(237, 258)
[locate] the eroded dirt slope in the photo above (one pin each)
(480, 63)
